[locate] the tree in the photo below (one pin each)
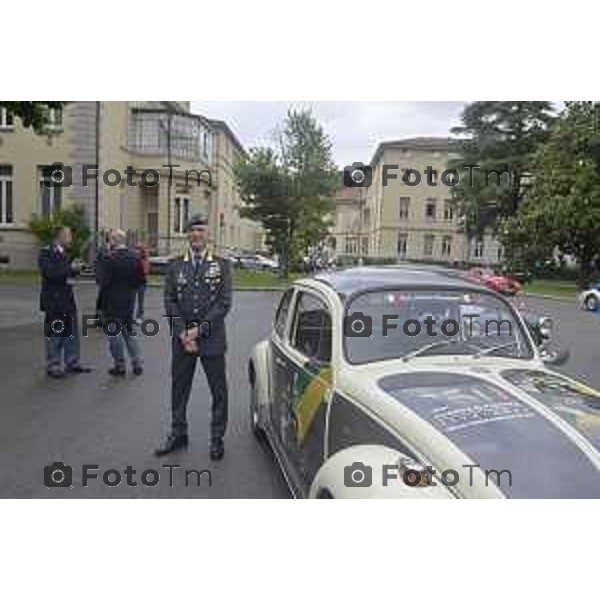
(498, 137)
(32, 114)
(563, 212)
(43, 228)
(290, 188)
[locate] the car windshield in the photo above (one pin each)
(409, 324)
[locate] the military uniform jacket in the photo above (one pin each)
(199, 293)
(56, 294)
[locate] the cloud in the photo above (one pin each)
(355, 128)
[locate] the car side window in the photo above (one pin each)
(312, 328)
(282, 313)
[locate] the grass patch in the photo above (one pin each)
(246, 279)
(19, 276)
(261, 279)
(552, 287)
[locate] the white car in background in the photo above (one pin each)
(590, 299)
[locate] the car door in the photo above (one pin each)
(279, 364)
(303, 408)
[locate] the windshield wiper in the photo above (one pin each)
(427, 347)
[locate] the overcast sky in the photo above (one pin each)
(354, 127)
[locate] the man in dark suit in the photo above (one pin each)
(197, 299)
(57, 301)
(120, 277)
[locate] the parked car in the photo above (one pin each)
(255, 262)
(590, 299)
(354, 406)
(159, 264)
(503, 284)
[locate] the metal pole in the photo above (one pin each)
(97, 182)
(169, 183)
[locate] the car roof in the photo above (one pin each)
(357, 279)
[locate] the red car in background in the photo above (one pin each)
(502, 284)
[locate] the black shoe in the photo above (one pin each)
(78, 369)
(138, 370)
(117, 372)
(56, 374)
(217, 449)
(172, 444)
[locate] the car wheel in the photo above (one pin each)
(257, 429)
(591, 302)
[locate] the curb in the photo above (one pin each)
(549, 297)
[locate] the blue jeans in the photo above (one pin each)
(140, 295)
(126, 338)
(59, 349)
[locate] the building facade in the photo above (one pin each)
(230, 230)
(408, 213)
(157, 164)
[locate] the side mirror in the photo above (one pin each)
(556, 358)
(541, 329)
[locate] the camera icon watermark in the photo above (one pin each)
(358, 475)
(58, 475)
(358, 175)
(59, 325)
(61, 176)
(357, 324)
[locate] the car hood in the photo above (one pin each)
(541, 427)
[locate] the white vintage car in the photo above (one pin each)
(400, 383)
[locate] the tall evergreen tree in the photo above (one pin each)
(497, 137)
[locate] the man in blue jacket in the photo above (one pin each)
(57, 301)
(120, 277)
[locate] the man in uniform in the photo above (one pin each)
(197, 299)
(57, 301)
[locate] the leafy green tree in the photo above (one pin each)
(563, 212)
(31, 114)
(74, 218)
(290, 188)
(501, 139)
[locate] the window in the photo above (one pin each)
(182, 213)
(312, 335)
(55, 118)
(367, 218)
(403, 209)
(6, 194)
(402, 242)
(351, 245)
(500, 253)
(365, 246)
(447, 245)
(478, 250)
(50, 192)
(6, 119)
(430, 209)
(428, 241)
(282, 313)
(159, 133)
(448, 210)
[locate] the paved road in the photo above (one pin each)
(92, 419)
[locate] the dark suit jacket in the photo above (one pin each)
(119, 278)
(56, 295)
(199, 293)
